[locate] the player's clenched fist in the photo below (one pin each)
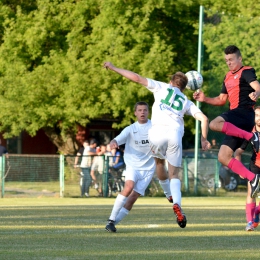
(199, 96)
(108, 65)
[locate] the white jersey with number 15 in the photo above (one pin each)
(170, 105)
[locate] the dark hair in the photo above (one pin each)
(141, 103)
(93, 141)
(232, 49)
(179, 80)
(256, 107)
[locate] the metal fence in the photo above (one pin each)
(56, 176)
(30, 175)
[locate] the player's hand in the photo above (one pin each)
(253, 96)
(108, 65)
(199, 95)
(205, 145)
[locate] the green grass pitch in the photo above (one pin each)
(73, 228)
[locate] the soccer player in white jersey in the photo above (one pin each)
(167, 130)
(140, 165)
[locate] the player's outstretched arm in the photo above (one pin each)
(216, 101)
(127, 74)
(205, 144)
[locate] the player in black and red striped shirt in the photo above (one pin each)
(241, 89)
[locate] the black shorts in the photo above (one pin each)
(243, 118)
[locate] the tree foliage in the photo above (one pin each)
(228, 23)
(52, 51)
(51, 57)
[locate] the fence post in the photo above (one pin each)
(2, 173)
(186, 176)
(105, 177)
(61, 175)
(216, 177)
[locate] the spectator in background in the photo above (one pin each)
(118, 161)
(108, 155)
(80, 153)
(97, 169)
(214, 144)
(76, 163)
(89, 149)
(3, 150)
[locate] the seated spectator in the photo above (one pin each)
(118, 160)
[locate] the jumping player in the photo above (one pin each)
(241, 89)
(140, 165)
(165, 136)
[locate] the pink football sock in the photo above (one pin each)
(230, 129)
(250, 210)
(257, 209)
(239, 168)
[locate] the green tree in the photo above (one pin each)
(228, 25)
(52, 52)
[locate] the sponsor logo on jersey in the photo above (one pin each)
(142, 142)
(163, 107)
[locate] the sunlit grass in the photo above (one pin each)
(74, 229)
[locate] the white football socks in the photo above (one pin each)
(122, 213)
(119, 203)
(166, 187)
(175, 185)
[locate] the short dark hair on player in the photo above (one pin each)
(232, 49)
(179, 80)
(256, 107)
(141, 103)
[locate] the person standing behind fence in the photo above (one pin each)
(140, 165)
(80, 153)
(3, 150)
(89, 149)
(97, 169)
(76, 164)
(109, 156)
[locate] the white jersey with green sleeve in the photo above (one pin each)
(170, 105)
(137, 154)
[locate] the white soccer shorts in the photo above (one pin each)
(166, 143)
(141, 178)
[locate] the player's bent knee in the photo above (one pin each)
(213, 126)
(127, 189)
